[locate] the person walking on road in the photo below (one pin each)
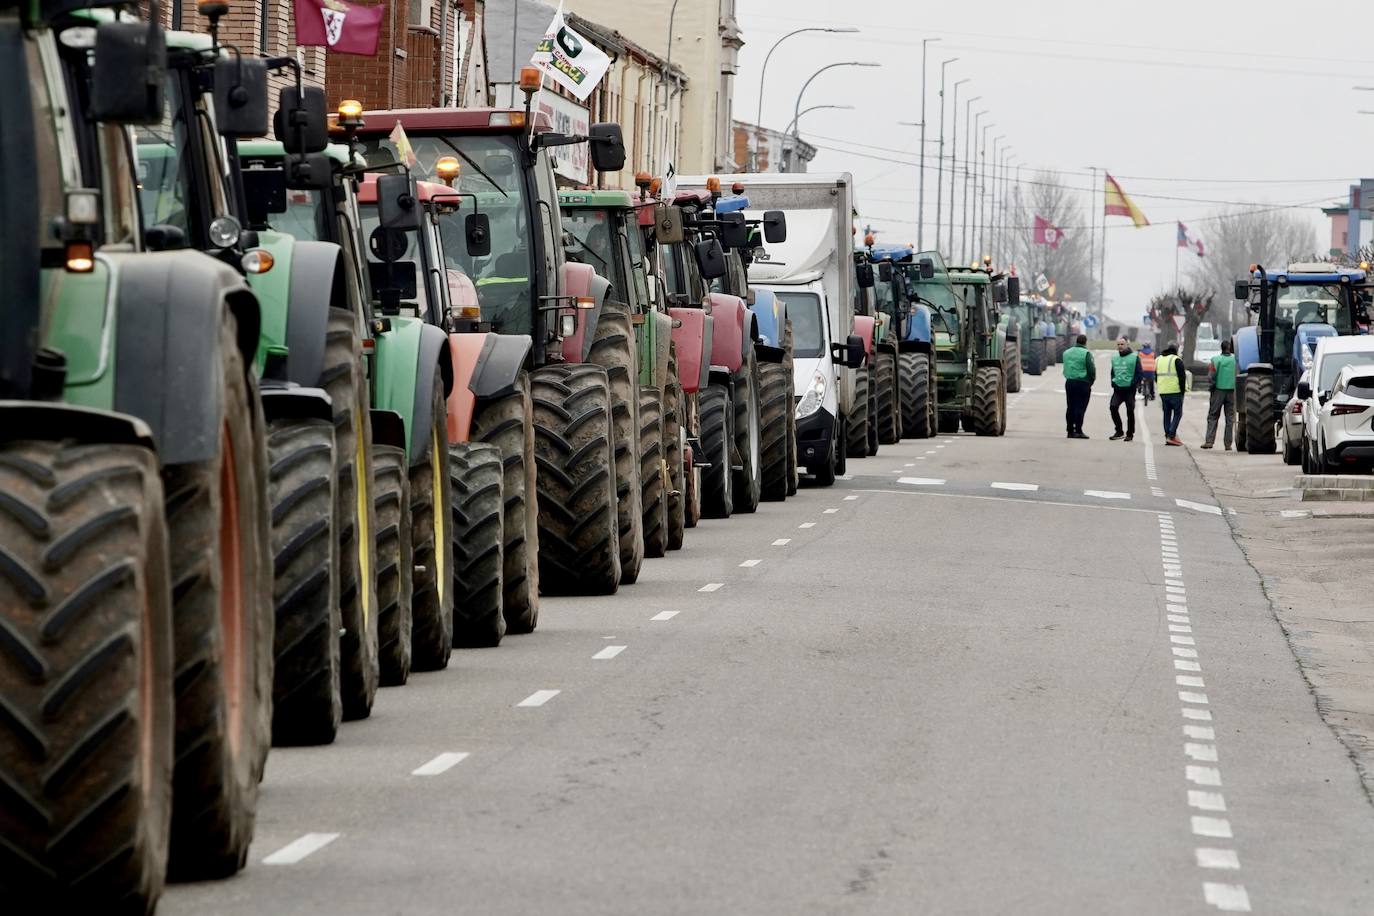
(1147, 371)
(1222, 371)
(1126, 373)
(1080, 371)
(1173, 381)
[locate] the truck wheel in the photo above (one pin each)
(476, 507)
(307, 706)
(823, 474)
(775, 402)
(391, 499)
(1011, 358)
(343, 378)
(1260, 414)
(219, 548)
(717, 432)
(913, 373)
(579, 538)
(987, 401)
(793, 471)
(432, 542)
(508, 423)
(613, 348)
(653, 471)
(887, 396)
(1035, 357)
(856, 436)
(747, 486)
(674, 422)
(85, 605)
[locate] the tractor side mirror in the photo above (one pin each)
(301, 116)
(241, 97)
(1242, 289)
(864, 275)
(774, 227)
(477, 231)
(164, 237)
(607, 147)
(129, 73)
(928, 269)
(668, 224)
(393, 281)
(1304, 390)
(734, 233)
(854, 351)
(999, 293)
(1013, 285)
(311, 172)
(885, 271)
(710, 259)
(396, 205)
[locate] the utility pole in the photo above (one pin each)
(953, 164)
(921, 179)
(963, 235)
(1092, 234)
(940, 156)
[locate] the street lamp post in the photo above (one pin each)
(763, 72)
(794, 127)
(978, 192)
(953, 163)
(963, 234)
(940, 155)
(921, 178)
(1000, 233)
(796, 109)
(990, 205)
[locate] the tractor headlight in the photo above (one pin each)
(812, 397)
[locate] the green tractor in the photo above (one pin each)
(969, 347)
(1033, 333)
(135, 565)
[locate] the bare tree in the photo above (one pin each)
(1195, 305)
(1068, 266)
(1235, 239)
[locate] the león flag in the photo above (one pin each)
(570, 59)
(1046, 233)
(1116, 203)
(347, 28)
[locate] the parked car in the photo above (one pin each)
(1337, 433)
(1292, 425)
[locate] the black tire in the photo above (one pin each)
(948, 422)
(1035, 357)
(918, 415)
(85, 750)
(856, 436)
(613, 349)
(1011, 359)
(431, 542)
(987, 401)
(717, 433)
(823, 474)
(653, 472)
(476, 509)
(354, 514)
(692, 472)
(1241, 442)
(391, 499)
(748, 440)
(508, 423)
(219, 545)
(307, 706)
(793, 471)
(673, 423)
(1308, 465)
(1291, 451)
(775, 403)
(873, 440)
(579, 537)
(1261, 414)
(841, 457)
(887, 398)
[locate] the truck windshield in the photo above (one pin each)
(804, 311)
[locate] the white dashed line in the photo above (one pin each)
(1218, 827)
(1106, 494)
(664, 615)
(1005, 485)
(1198, 507)
(748, 564)
(538, 698)
(1203, 753)
(807, 525)
(1200, 732)
(909, 465)
(711, 587)
(1188, 696)
(298, 849)
(850, 499)
(444, 762)
(782, 542)
(922, 481)
(608, 653)
(1203, 776)
(1187, 680)
(1198, 715)
(1206, 801)
(1217, 858)
(1229, 898)
(829, 511)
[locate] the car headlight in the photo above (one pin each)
(811, 399)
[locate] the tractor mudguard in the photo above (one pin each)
(403, 365)
(485, 365)
(916, 346)
(864, 326)
(1247, 347)
(767, 354)
(728, 331)
(662, 341)
(287, 400)
(766, 309)
(1260, 369)
(388, 428)
(317, 284)
(985, 362)
(693, 341)
(53, 421)
(582, 281)
(167, 359)
(434, 350)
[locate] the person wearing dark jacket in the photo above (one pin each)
(1079, 374)
(1172, 384)
(1126, 375)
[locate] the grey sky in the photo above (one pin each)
(1172, 90)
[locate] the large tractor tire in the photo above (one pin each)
(653, 472)
(917, 398)
(1261, 414)
(432, 543)
(793, 470)
(391, 499)
(343, 378)
(219, 548)
(888, 398)
(748, 441)
(873, 439)
(1035, 357)
(775, 403)
(613, 349)
(987, 401)
(86, 678)
(476, 508)
(1011, 358)
(674, 422)
(579, 536)
(717, 434)
(307, 706)
(508, 423)
(856, 435)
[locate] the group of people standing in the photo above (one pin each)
(1165, 374)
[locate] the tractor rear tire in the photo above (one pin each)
(391, 497)
(653, 472)
(717, 434)
(219, 550)
(579, 536)
(1035, 357)
(85, 603)
(918, 401)
(987, 401)
(856, 435)
(432, 542)
(748, 441)
(476, 474)
(674, 422)
(613, 348)
(355, 521)
(873, 442)
(1011, 359)
(508, 423)
(888, 398)
(1261, 414)
(775, 403)
(307, 705)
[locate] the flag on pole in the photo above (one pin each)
(1042, 283)
(570, 60)
(1185, 240)
(345, 28)
(1116, 203)
(1046, 233)
(404, 150)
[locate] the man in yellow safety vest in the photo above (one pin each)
(1173, 382)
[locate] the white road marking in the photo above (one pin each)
(711, 587)
(844, 476)
(807, 525)
(1206, 801)
(1168, 581)
(1217, 858)
(445, 761)
(1186, 680)
(1182, 640)
(782, 542)
(1296, 513)
(1218, 827)
(1176, 589)
(608, 653)
(1175, 608)
(1182, 665)
(1185, 653)
(850, 499)
(946, 440)
(298, 849)
(750, 563)
(1198, 715)
(1106, 494)
(1198, 507)
(920, 457)
(538, 698)
(1179, 628)
(1201, 732)
(664, 615)
(922, 481)
(1229, 898)
(909, 464)
(1203, 776)
(1187, 696)
(939, 446)
(1004, 485)
(830, 511)
(1203, 753)
(1177, 618)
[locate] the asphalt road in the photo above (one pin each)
(979, 676)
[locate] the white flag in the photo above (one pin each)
(569, 59)
(1042, 282)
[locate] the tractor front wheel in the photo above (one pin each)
(476, 508)
(1260, 414)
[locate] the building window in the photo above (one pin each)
(418, 14)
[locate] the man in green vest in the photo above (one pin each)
(1223, 372)
(1173, 381)
(1079, 374)
(1126, 374)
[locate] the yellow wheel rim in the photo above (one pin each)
(436, 460)
(364, 538)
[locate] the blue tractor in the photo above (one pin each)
(904, 341)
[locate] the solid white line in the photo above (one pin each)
(1106, 494)
(1185, 653)
(807, 525)
(1229, 898)
(1206, 801)
(538, 698)
(829, 511)
(298, 849)
(444, 761)
(1181, 665)
(922, 481)
(1201, 732)
(711, 587)
(1211, 826)
(664, 615)
(1198, 715)
(782, 542)
(1204, 753)
(1188, 696)
(1198, 507)
(1003, 485)
(1217, 858)
(1187, 680)
(608, 653)
(1203, 776)
(750, 563)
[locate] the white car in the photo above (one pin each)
(1336, 423)
(1292, 424)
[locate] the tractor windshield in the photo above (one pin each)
(804, 311)
(304, 216)
(593, 237)
(944, 306)
(1327, 304)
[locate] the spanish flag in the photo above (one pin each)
(1116, 203)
